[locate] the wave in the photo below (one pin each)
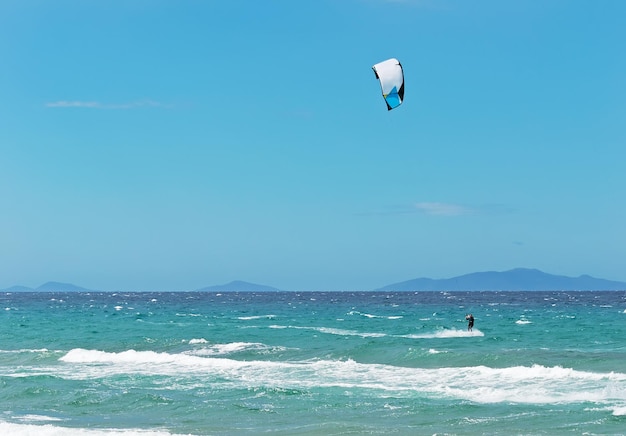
(535, 384)
(247, 318)
(368, 315)
(522, 321)
(231, 348)
(342, 332)
(445, 334)
(26, 350)
(13, 429)
(37, 418)
(333, 331)
(619, 411)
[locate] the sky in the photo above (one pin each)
(172, 145)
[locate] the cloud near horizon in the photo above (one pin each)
(446, 209)
(424, 4)
(100, 105)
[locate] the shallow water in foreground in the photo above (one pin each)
(313, 363)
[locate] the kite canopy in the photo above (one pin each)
(391, 78)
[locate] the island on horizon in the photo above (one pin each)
(517, 279)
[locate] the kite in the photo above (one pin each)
(391, 77)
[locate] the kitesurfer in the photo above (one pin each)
(470, 322)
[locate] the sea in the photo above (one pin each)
(312, 363)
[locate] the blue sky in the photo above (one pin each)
(169, 145)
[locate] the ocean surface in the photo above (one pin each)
(313, 363)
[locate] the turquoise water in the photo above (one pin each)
(313, 363)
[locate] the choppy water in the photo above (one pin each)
(537, 363)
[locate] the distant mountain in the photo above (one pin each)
(238, 286)
(61, 287)
(18, 288)
(49, 287)
(519, 279)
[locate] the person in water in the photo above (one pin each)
(470, 322)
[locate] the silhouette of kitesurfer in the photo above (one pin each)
(470, 322)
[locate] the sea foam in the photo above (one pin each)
(619, 411)
(248, 318)
(12, 429)
(234, 347)
(444, 334)
(518, 384)
(333, 331)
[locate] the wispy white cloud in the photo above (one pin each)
(446, 209)
(100, 105)
(424, 4)
(451, 209)
(89, 104)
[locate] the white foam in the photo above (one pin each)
(233, 347)
(369, 315)
(26, 350)
(80, 355)
(247, 318)
(522, 321)
(619, 411)
(333, 331)
(35, 418)
(184, 315)
(12, 429)
(520, 384)
(445, 334)
(198, 341)
(342, 332)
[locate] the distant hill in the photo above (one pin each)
(61, 287)
(48, 287)
(238, 286)
(519, 279)
(18, 288)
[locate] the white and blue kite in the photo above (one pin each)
(391, 78)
